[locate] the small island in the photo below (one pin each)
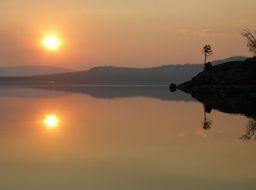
(234, 78)
(231, 78)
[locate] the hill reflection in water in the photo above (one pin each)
(33, 91)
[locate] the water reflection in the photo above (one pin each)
(207, 121)
(250, 127)
(250, 130)
(104, 92)
(242, 105)
(51, 121)
(130, 143)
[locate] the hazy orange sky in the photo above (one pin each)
(135, 33)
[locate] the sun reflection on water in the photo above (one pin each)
(51, 121)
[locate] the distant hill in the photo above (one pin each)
(108, 75)
(31, 70)
(234, 58)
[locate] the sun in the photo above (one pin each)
(51, 121)
(52, 42)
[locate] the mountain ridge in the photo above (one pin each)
(110, 75)
(28, 70)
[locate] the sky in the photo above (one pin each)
(128, 33)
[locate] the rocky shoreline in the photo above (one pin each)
(236, 78)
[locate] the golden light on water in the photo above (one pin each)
(52, 42)
(51, 121)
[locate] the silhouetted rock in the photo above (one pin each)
(208, 66)
(173, 87)
(231, 78)
(229, 87)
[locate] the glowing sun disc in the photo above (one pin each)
(52, 42)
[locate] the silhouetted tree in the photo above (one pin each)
(251, 40)
(250, 130)
(207, 51)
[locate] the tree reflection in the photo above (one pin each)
(207, 122)
(231, 104)
(250, 127)
(250, 130)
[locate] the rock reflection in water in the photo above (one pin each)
(230, 104)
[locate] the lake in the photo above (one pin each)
(121, 138)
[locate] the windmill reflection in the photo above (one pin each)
(250, 130)
(207, 122)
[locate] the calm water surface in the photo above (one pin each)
(111, 142)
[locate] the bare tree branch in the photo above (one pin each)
(251, 40)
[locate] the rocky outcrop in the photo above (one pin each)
(231, 78)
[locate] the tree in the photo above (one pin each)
(251, 40)
(207, 51)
